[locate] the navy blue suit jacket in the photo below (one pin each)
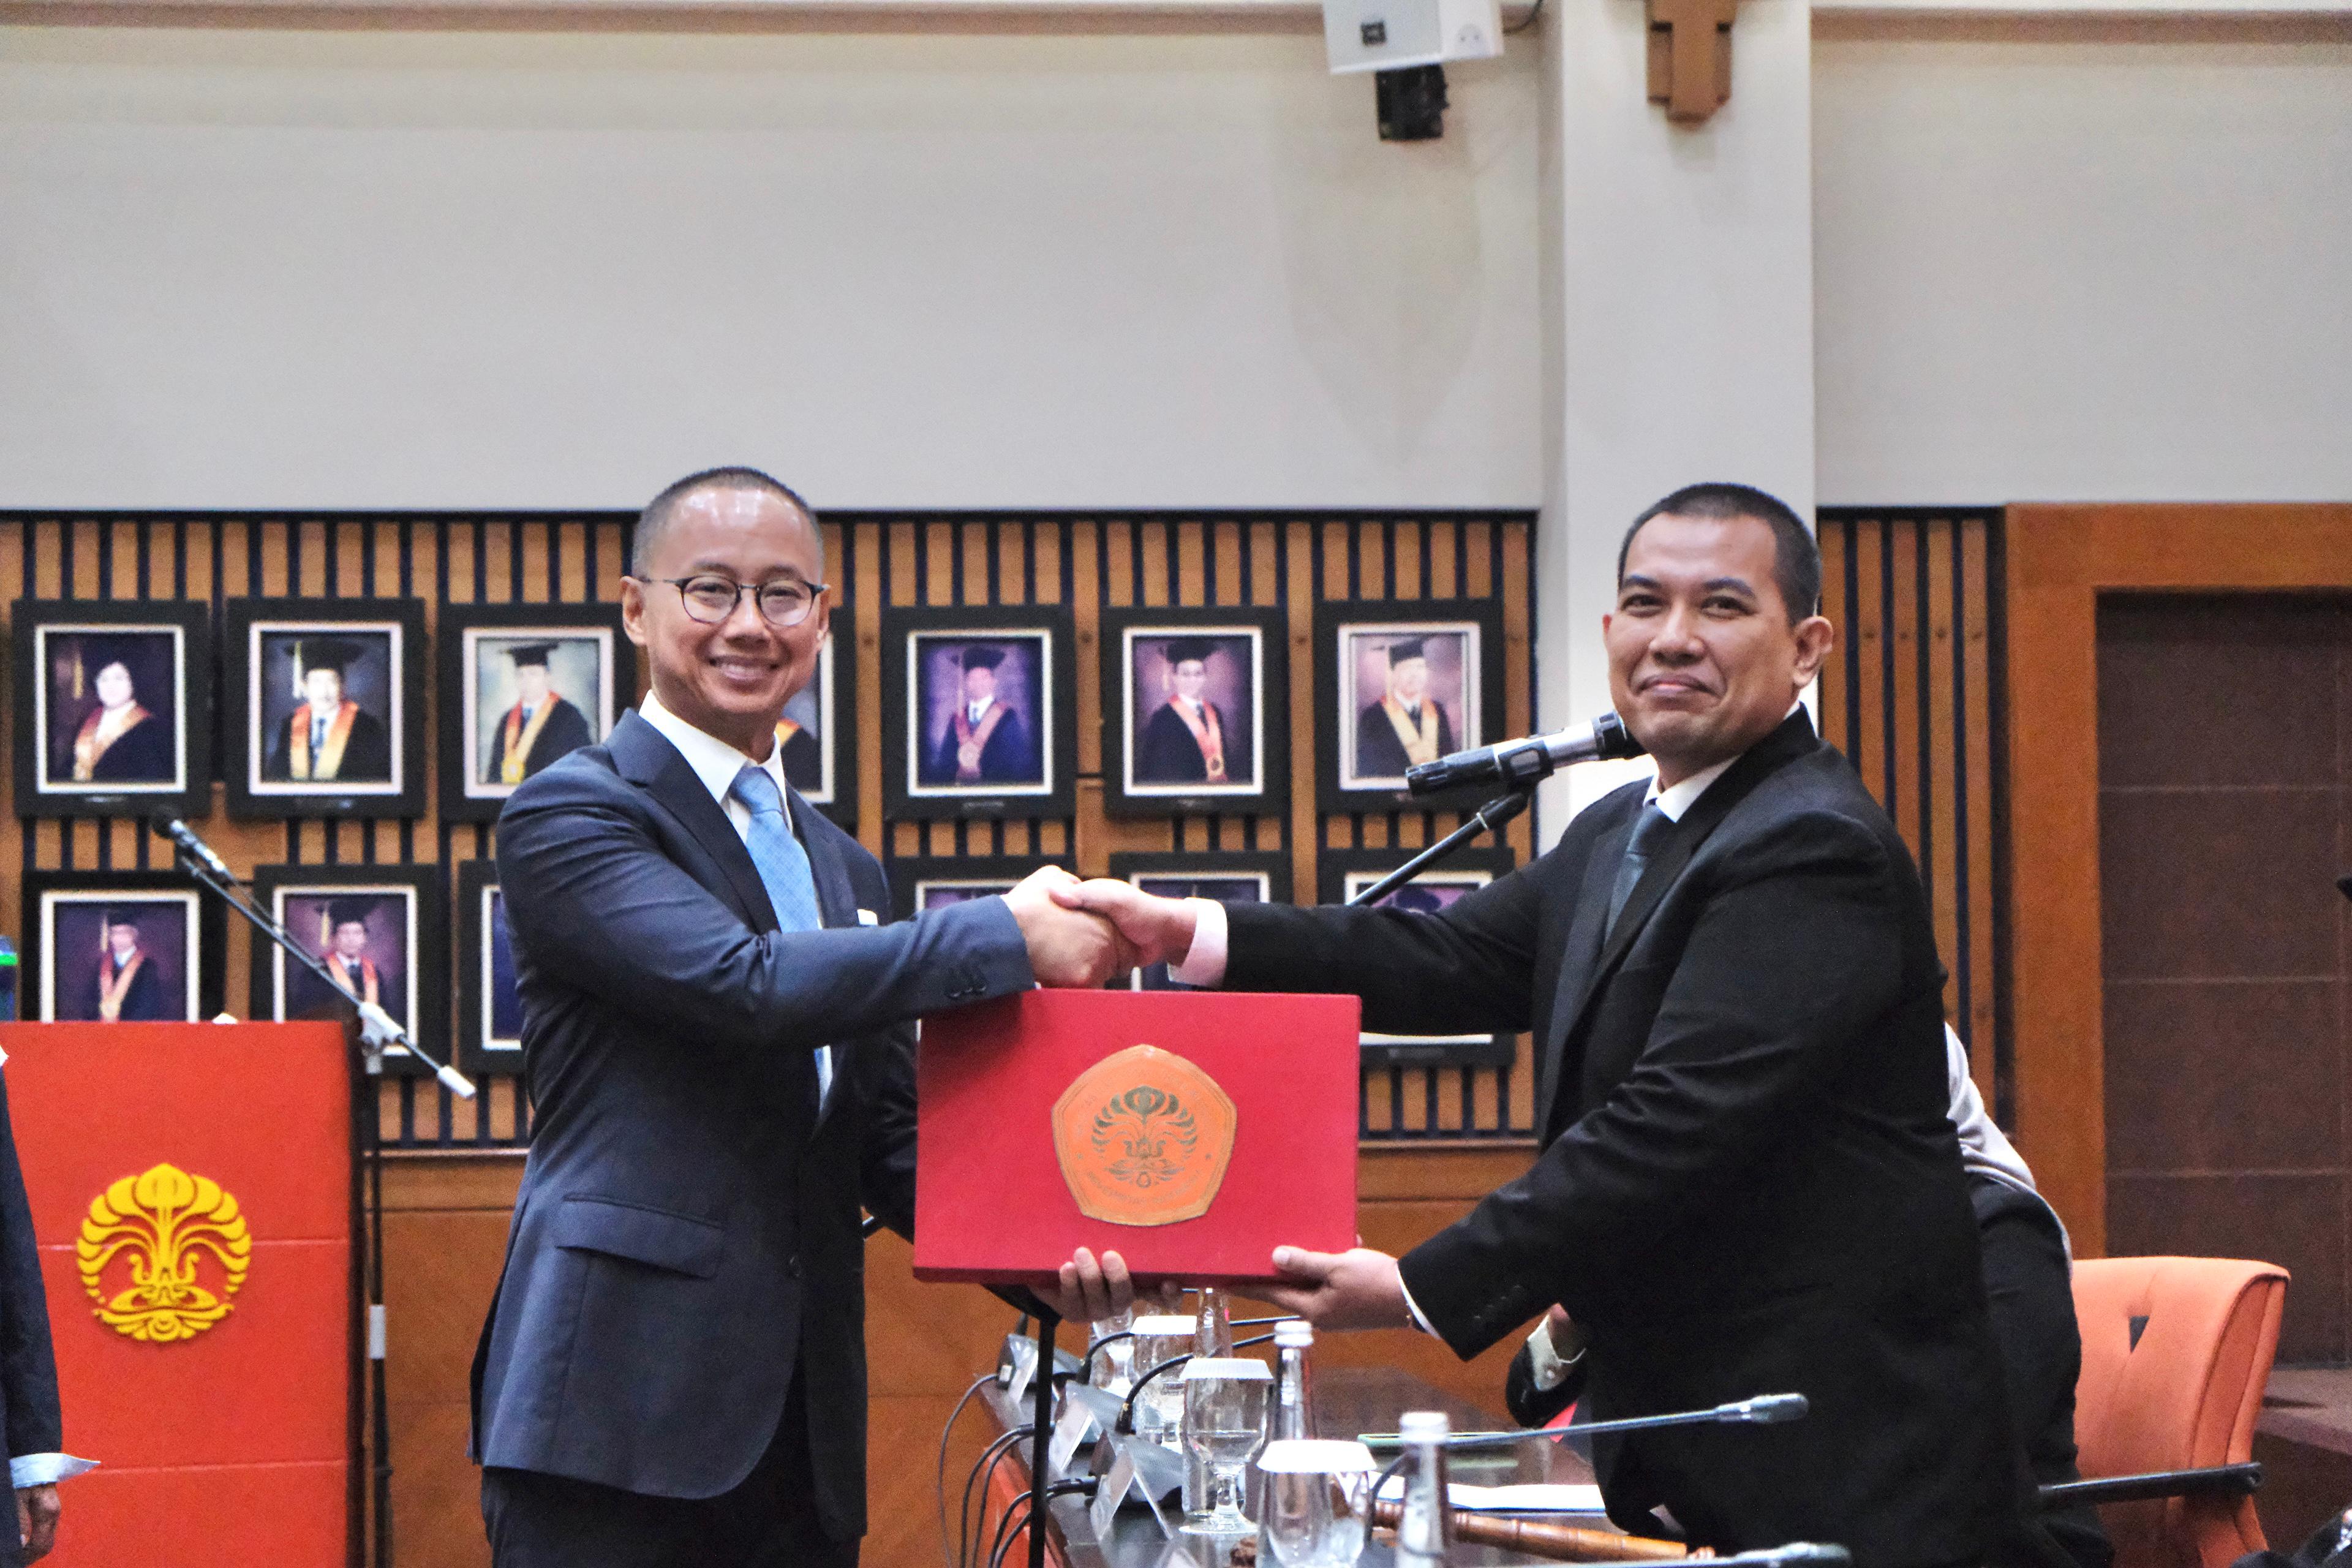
(28, 1368)
(686, 1241)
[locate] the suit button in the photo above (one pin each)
(792, 1267)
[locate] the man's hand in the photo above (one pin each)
(1158, 930)
(1567, 1339)
(1359, 1289)
(37, 1520)
(1091, 1292)
(1066, 946)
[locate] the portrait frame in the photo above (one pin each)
(911, 876)
(249, 654)
(176, 645)
(48, 895)
(427, 982)
(832, 695)
(1269, 868)
(480, 1047)
(1345, 628)
(1126, 640)
(909, 636)
(464, 634)
(1339, 872)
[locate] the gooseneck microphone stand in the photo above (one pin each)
(378, 1031)
(1491, 817)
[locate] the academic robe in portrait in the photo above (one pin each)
(357, 749)
(139, 754)
(557, 731)
(1007, 754)
(1171, 752)
(1380, 751)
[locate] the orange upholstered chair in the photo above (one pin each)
(2174, 1355)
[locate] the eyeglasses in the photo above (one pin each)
(710, 598)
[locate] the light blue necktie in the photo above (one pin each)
(783, 868)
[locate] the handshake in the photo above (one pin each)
(1083, 933)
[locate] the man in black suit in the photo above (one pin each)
(984, 741)
(1748, 1183)
(717, 1040)
(538, 727)
(329, 736)
(1408, 724)
(1188, 739)
(28, 1370)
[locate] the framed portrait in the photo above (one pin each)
(1196, 708)
(325, 707)
(489, 1008)
(117, 701)
(979, 712)
(120, 947)
(382, 933)
(1398, 682)
(521, 685)
(1229, 876)
(1342, 874)
(819, 730)
(934, 882)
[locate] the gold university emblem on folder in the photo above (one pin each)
(1143, 1137)
(174, 1230)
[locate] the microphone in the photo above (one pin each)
(1764, 1409)
(1523, 762)
(166, 826)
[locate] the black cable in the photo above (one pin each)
(963, 1515)
(1126, 1411)
(997, 1543)
(987, 1479)
(940, 1478)
(1028, 1517)
(1527, 21)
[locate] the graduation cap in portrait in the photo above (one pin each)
(97, 652)
(324, 653)
(1404, 648)
(1418, 901)
(526, 654)
(110, 917)
(1188, 650)
(981, 655)
(346, 911)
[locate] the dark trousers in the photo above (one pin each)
(2027, 1285)
(769, 1520)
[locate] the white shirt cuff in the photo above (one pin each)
(1205, 963)
(45, 1470)
(1419, 1319)
(1549, 1367)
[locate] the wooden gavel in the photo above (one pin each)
(1557, 1542)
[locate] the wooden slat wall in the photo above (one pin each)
(1909, 696)
(878, 559)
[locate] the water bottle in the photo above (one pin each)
(1212, 1327)
(1424, 1536)
(1293, 1408)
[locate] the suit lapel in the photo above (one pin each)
(836, 903)
(1794, 737)
(645, 759)
(1578, 956)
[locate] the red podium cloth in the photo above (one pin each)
(1044, 1129)
(225, 1441)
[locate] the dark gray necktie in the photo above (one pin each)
(1649, 832)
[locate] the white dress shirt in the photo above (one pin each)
(716, 763)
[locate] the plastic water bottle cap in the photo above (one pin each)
(1424, 1426)
(1293, 1334)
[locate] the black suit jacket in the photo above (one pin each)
(686, 1242)
(367, 752)
(28, 1370)
(1748, 1183)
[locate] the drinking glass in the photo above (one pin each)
(1160, 1409)
(1113, 1371)
(1224, 1426)
(1315, 1500)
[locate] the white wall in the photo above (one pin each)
(258, 269)
(2103, 268)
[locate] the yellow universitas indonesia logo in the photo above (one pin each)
(173, 1230)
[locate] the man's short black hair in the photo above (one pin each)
(663, 508)
(1796, 558)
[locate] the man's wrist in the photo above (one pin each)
(1202, 963)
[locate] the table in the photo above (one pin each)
(1349, 1401)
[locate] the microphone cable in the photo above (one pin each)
(965, 1531)
(1009, 1530)
(940, 1477)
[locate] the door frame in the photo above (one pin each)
(2060, 560)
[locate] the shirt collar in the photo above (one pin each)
(714, 762)
(1677, 799)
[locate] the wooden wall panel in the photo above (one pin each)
(1908, 696)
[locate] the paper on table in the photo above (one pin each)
(1527, 1498)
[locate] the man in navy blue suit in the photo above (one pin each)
(718, 1038)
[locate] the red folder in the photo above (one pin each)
(1190, 1131)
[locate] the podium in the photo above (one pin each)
(194, 1196)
